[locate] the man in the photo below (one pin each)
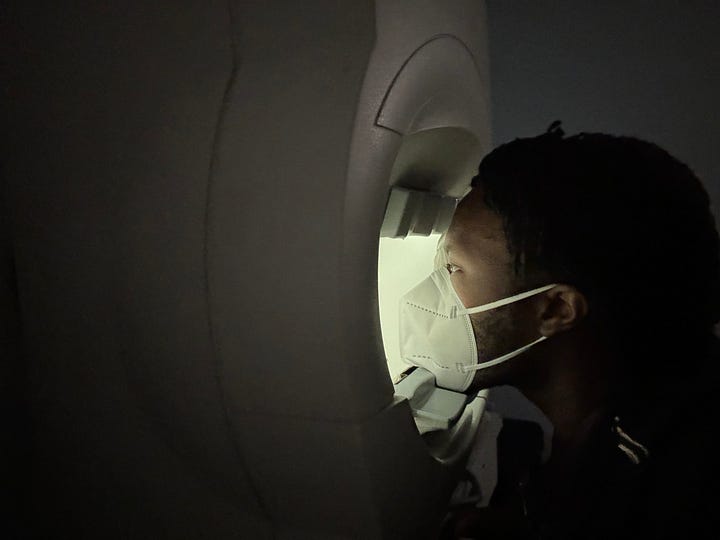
(615, 243)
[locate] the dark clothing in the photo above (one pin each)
(650, 473)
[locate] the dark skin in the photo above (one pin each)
(569, 375)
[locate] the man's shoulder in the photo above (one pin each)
(672, 491)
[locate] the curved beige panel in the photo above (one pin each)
(439, 86)
(195, 198)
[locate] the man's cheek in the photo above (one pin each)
(479, 327)
(462, 288)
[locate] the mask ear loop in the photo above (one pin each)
(482, 365)
(504, 301)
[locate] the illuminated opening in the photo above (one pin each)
(431, 172)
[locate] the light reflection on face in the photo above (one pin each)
(481, 271)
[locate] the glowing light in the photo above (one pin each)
(402, 264)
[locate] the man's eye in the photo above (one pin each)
(452, 268)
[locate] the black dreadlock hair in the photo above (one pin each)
(620, 219)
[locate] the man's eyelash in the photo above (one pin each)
(451, 268)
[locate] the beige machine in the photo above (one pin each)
(193, 194)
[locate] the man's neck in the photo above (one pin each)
(573, 393)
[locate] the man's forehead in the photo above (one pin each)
(474, 222)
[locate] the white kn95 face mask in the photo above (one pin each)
(436, 332)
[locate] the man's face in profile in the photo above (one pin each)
(481, 271)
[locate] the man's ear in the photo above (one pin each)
(560, 309)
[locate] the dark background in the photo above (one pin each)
(649, 69)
